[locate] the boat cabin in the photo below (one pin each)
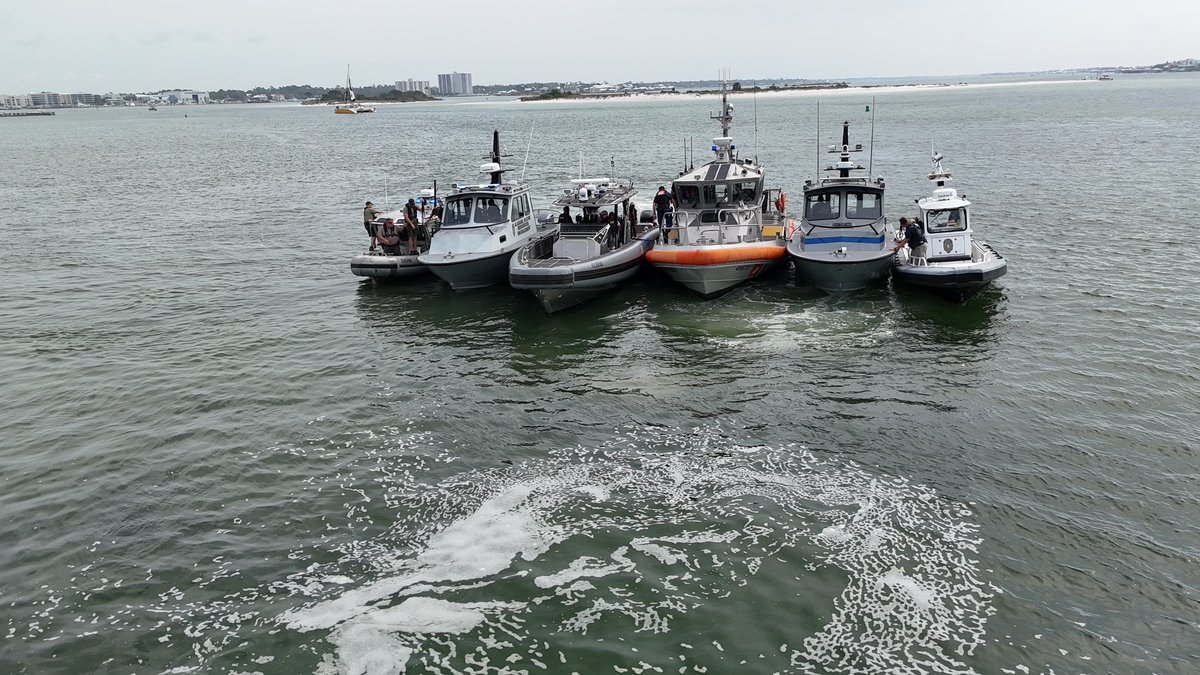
(596, 215)
(715, 191)
(947, 226)
(843, 205)
(487, 205)
(947, 221)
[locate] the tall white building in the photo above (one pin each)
(455, 84)
(413, 85)
(17, 101)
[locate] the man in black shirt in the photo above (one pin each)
(914, 238)
(664, 203)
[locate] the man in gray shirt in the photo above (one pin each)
(370, 213)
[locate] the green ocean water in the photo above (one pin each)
(222, 452)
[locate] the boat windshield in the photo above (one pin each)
(688, 196)
(946, 220)
(863, 204)
(489, 210)
(823, 206)
(715, 194)
(744, 191)
(458, 211)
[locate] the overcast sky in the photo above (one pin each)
(136, 45)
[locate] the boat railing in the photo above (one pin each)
(716, 232)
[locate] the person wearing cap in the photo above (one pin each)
(664, 203)
(914, 238)
(410, 222)
(388, 235)
(370, 213)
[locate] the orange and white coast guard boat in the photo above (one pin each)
(723, 231)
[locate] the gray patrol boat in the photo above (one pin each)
(599, 245)
(482, 227)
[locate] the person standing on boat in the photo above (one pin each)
(565, 217)
(410, 222)
(370, 213)
(664, 204)
(914, 238)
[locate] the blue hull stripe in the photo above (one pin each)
(808, 241)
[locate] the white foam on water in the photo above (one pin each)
(911, 586)
(478, 546)
(500, 570)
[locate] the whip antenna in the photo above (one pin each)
(871, 161)
(527, 146)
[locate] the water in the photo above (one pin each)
(224, 453)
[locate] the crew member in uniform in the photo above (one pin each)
(370, 213)
(664, 203)
(914, 238)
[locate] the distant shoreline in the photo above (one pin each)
(797, 92)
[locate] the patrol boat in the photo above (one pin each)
(598, 250)
(843, 242)
(957, 266)
(723, 232)
(377, 264)
(482, 226)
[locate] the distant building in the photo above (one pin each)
(44, 99)
(15, 101)
(413, 85)
(185, 96)
(455, 84)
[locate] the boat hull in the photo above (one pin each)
(846, 272)
(712, 270)
(467, 272)
(957, 281)
(559, 286)
(384, 266)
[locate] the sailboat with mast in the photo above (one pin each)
(352, 106)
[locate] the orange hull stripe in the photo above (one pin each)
(714, 255)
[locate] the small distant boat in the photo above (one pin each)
(152, 109)
(482, 227)
(351, 107)
(956, 266)
(1105, 76)
(724, 232)
(598, 251)
(844, 242)
(403, 262)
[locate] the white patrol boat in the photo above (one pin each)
(956, 265)
(598, 246)
(844, 242)
(482, 226)
(401, 262)
(723, 232)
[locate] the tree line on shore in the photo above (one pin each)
(308, 92)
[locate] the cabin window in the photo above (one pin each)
(458, 210)
(863, 205)
(489, 210)
(825, 206)
(520, 207)
(946, 220)
(744, 191)
(715, 194)
(687, 196)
